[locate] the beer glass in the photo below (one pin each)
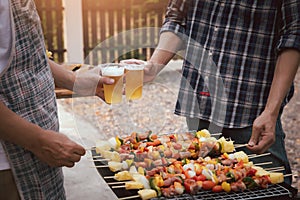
(113, 93)
(134, 74)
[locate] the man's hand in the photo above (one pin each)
(57, 150)
(263, 133)
(150, 71)
(90, 83)
(84, 82)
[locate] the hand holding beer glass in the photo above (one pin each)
(113, 93)
(134, 74)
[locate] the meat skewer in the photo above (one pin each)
(131, 185)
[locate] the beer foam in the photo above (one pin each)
(134, 67)
(133, 61)
(112, 71)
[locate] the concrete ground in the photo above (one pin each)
(82, 181)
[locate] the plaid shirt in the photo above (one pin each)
(231, 51)
(27, 88)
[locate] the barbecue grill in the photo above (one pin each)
(280, 191)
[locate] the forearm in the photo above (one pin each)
(286, 69)
(169, 44)
(63, 78)
(17, 130)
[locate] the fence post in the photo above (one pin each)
(73, 34)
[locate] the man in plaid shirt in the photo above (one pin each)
(32, 151)
(240, 61)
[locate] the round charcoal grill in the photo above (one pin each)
(280, 191)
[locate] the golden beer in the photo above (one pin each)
(134, 81)
(113, 92)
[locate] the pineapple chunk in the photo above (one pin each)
(115, 166)
(240, 155)
(115, 156)
(249, 164)
(260, 171)
(276, 177)
(147, 194)
(203, 133)
(112, 155)
(132, 185)
(123, 176)
(227, 146)
(102, 146)
(113, 142)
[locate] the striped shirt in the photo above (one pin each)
(231, 51)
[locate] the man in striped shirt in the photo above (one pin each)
(240, 61)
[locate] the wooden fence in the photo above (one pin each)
(112, 29)
(120, 29)
(51, 14)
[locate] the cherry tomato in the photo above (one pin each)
(190, 185)
(201, 177)
(217, 188)
(251, 172)
(208, 185)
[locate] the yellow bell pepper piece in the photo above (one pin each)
(226, 186)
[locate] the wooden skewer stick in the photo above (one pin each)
(116, 183)
(260, 155)
(277, 170)
(240, 145)
(108, 177)
(130, 197)
(274, 168)
(251, 155)
(99, 166)
(287, 175)
(99, 160)
(97, 156)
(216, 134)
(118, 186)
(264, 163)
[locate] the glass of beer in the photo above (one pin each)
(113, 93)
(134, 74)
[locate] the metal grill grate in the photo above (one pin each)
(274, 191)
(278, 191)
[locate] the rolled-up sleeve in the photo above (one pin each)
(290, 32)
(175, 20)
